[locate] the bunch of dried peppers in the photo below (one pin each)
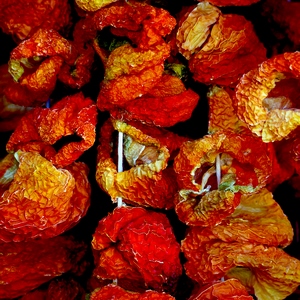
(184, 115)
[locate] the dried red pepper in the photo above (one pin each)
(245, 167)
(42, 201)
(266, 97)
(22, 19)
(143, 24)
(26, 265)
(146, 242)
(147, 151)
(34, 64)
(131, 72)
(113, 291)
(41, 128)
(267, 271)
(166, 104)
(224, 48)
(257, 219)
(230, 289)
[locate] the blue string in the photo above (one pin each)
(48, 103)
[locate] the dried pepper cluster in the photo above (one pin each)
(186, 116)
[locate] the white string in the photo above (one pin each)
(218, 174)
(218, 169)
(120, 160)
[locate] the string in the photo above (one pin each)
(120, 161)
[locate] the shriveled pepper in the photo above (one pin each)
(166, 104)
(41, 128)
(267, 271)
(220, 47)
(147, 151)
(42, 201)
(267, 97)
(206, 195)
(145, 240)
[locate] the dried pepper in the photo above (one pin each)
(147, 150)
(131, 72)
(257, 219)
(34, 64)
(41, 128)
(230, 289)
(224, 49)
(244, 166)
(266, 97)
(22, 19)
(10, 113)
(268, 271)
(113, 291)
(143, 24)
(41, 200)
(26, 265)
(166, 104)
(146, 241)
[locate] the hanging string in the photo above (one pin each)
(218, 175)
(120, 161)
(218, 169)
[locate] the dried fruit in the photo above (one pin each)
(146, 241)
(147, 150)
(267, 96)
(221, 49)
(166, 104)
(41, 128)
(206, 195)
(34, 65)
(266, 270)
(42, 201)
